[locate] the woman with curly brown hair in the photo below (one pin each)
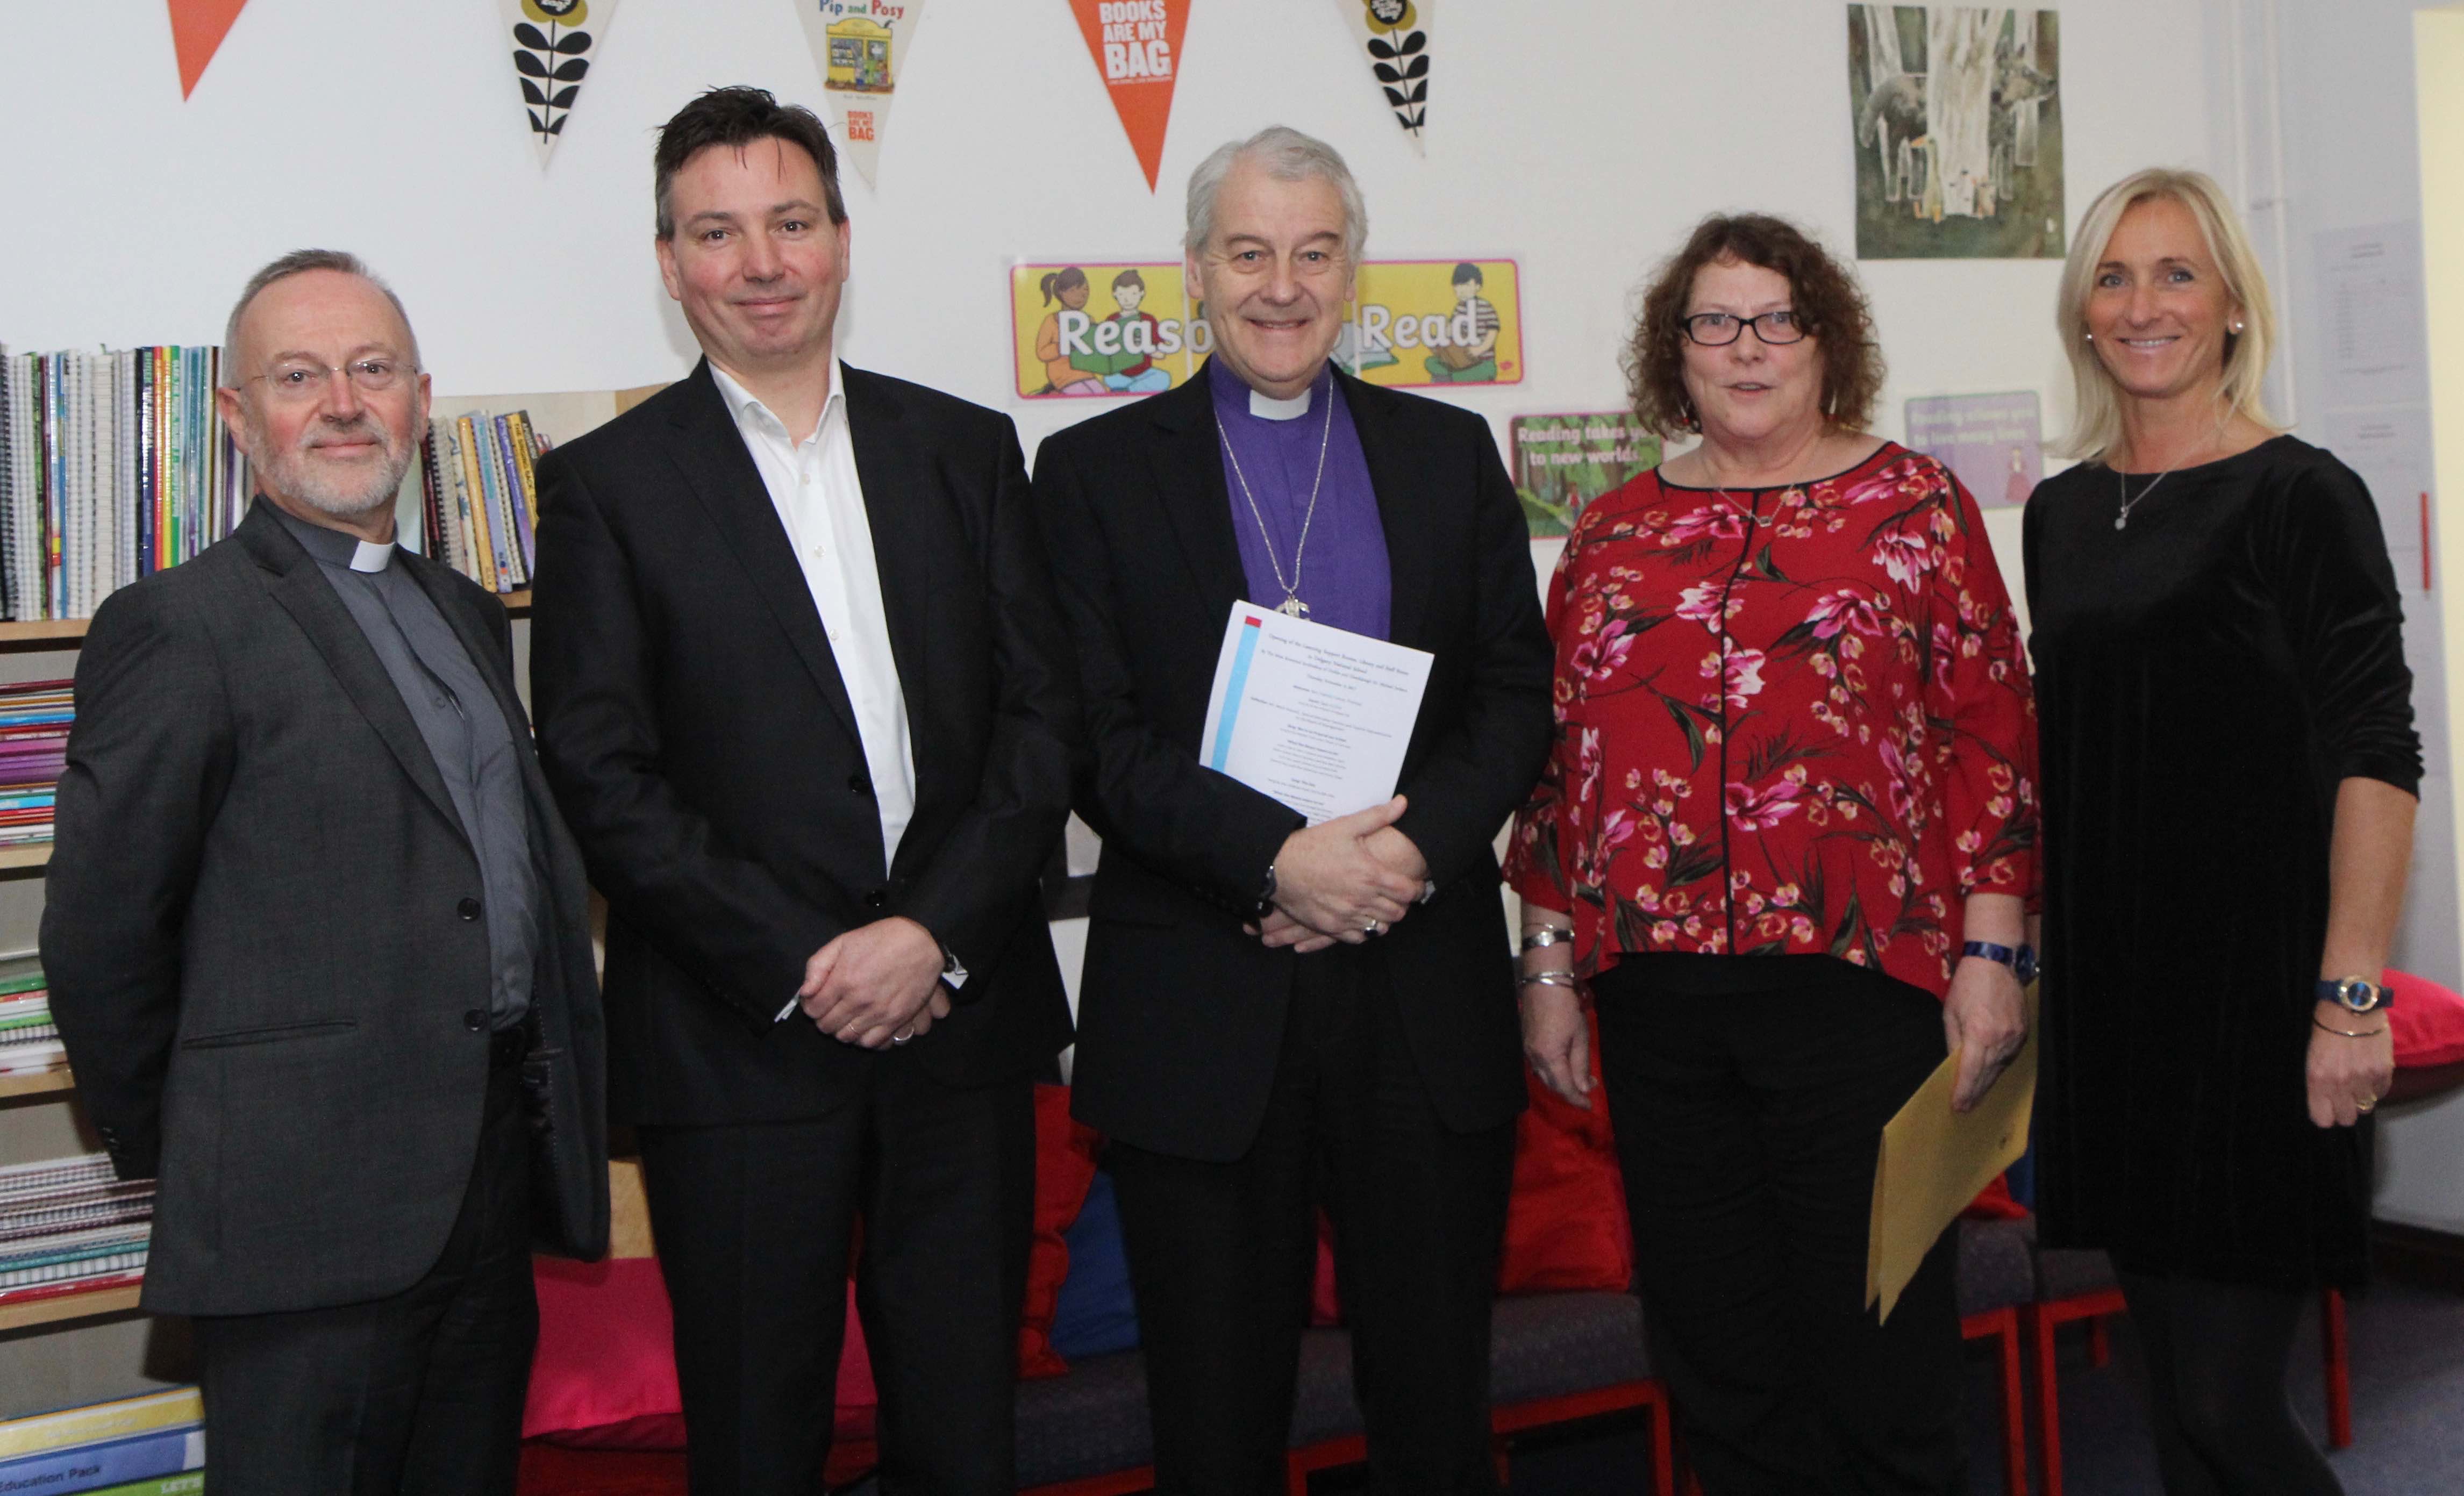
(1784, 838)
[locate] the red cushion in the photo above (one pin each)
(606, 1359)
(605, 1372)
(1995, 1203)
(1565, 1224)
(2429, 1022)
(1065, 1170)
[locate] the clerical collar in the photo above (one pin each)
(1265, 407)
(333, 547)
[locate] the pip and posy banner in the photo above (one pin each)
(1393, 34)
(860, 46)
(1096, 328)
(1136, 48)
(554, 42)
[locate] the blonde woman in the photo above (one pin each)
(2229, 772)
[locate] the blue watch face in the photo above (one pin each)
(2357, 995)
(2025, 967)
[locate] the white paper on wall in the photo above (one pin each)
(860, 46)
(554, 42)
(1393, 38)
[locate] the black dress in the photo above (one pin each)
(2205, 680)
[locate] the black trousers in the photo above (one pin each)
(1223, 1256)
(1746, 1128)
(754, 1225)
(418, 1394)
(2216, 1354)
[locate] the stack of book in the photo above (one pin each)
(34, 720)
(113, 466)
(29, 1042)
(479, 496)
(70, 1225)
(153, 1445)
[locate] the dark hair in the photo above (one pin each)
(738, 117)
(1823, 294)
(1467, 271)
(1068, 280)
(1130, 277)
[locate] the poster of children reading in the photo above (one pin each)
(1087, 328)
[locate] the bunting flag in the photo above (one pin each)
(1136, 48)
(552, 44)
(1395, 34)
(860, 46)
(198, 28)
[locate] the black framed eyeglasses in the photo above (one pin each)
(1718, 329)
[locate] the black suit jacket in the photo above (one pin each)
(262, 947)
(693, 722)
(1180, 1015)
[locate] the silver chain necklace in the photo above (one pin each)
(1291, 605)
(2122, 485)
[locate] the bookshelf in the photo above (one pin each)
(38, 1083)
(68, 1304)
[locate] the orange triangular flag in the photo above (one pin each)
(197, 28)
(1136, 48)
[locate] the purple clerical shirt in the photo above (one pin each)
(1343, 576)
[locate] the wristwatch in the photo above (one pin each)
(2021, 962)
(2356, 994)
(1266, 895)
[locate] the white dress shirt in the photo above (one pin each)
(813, 485)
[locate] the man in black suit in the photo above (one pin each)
(1267, 1003)
(805, 697)
(320, 948)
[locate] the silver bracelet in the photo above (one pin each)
(1547, 935)
(1563, 979)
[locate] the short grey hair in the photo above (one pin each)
(298, 262)
(1287, 155)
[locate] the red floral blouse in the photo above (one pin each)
(1788, 720)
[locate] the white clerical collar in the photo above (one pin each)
(372, 557)
(1266, 407)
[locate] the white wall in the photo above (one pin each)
(2315, 105)
(1580, 137)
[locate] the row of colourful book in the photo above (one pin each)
(34, 721)
(69, 1225)
(479, 496)
(153, 1445)
(29, 1042)
(113, 466)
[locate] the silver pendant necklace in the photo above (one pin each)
(1291, 605)
(2122, 485)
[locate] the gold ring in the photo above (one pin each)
(2366, 1103)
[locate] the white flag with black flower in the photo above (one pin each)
(1394, 34)
(554, 42)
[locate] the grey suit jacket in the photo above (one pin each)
(264, 946)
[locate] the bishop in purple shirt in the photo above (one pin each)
(1274, 1017)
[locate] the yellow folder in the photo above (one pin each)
(1934, 1162)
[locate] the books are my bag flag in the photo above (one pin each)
(1136, 48)
(860, 46)
(1394, 35)
(552, 44)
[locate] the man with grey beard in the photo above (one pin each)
(317, 941)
